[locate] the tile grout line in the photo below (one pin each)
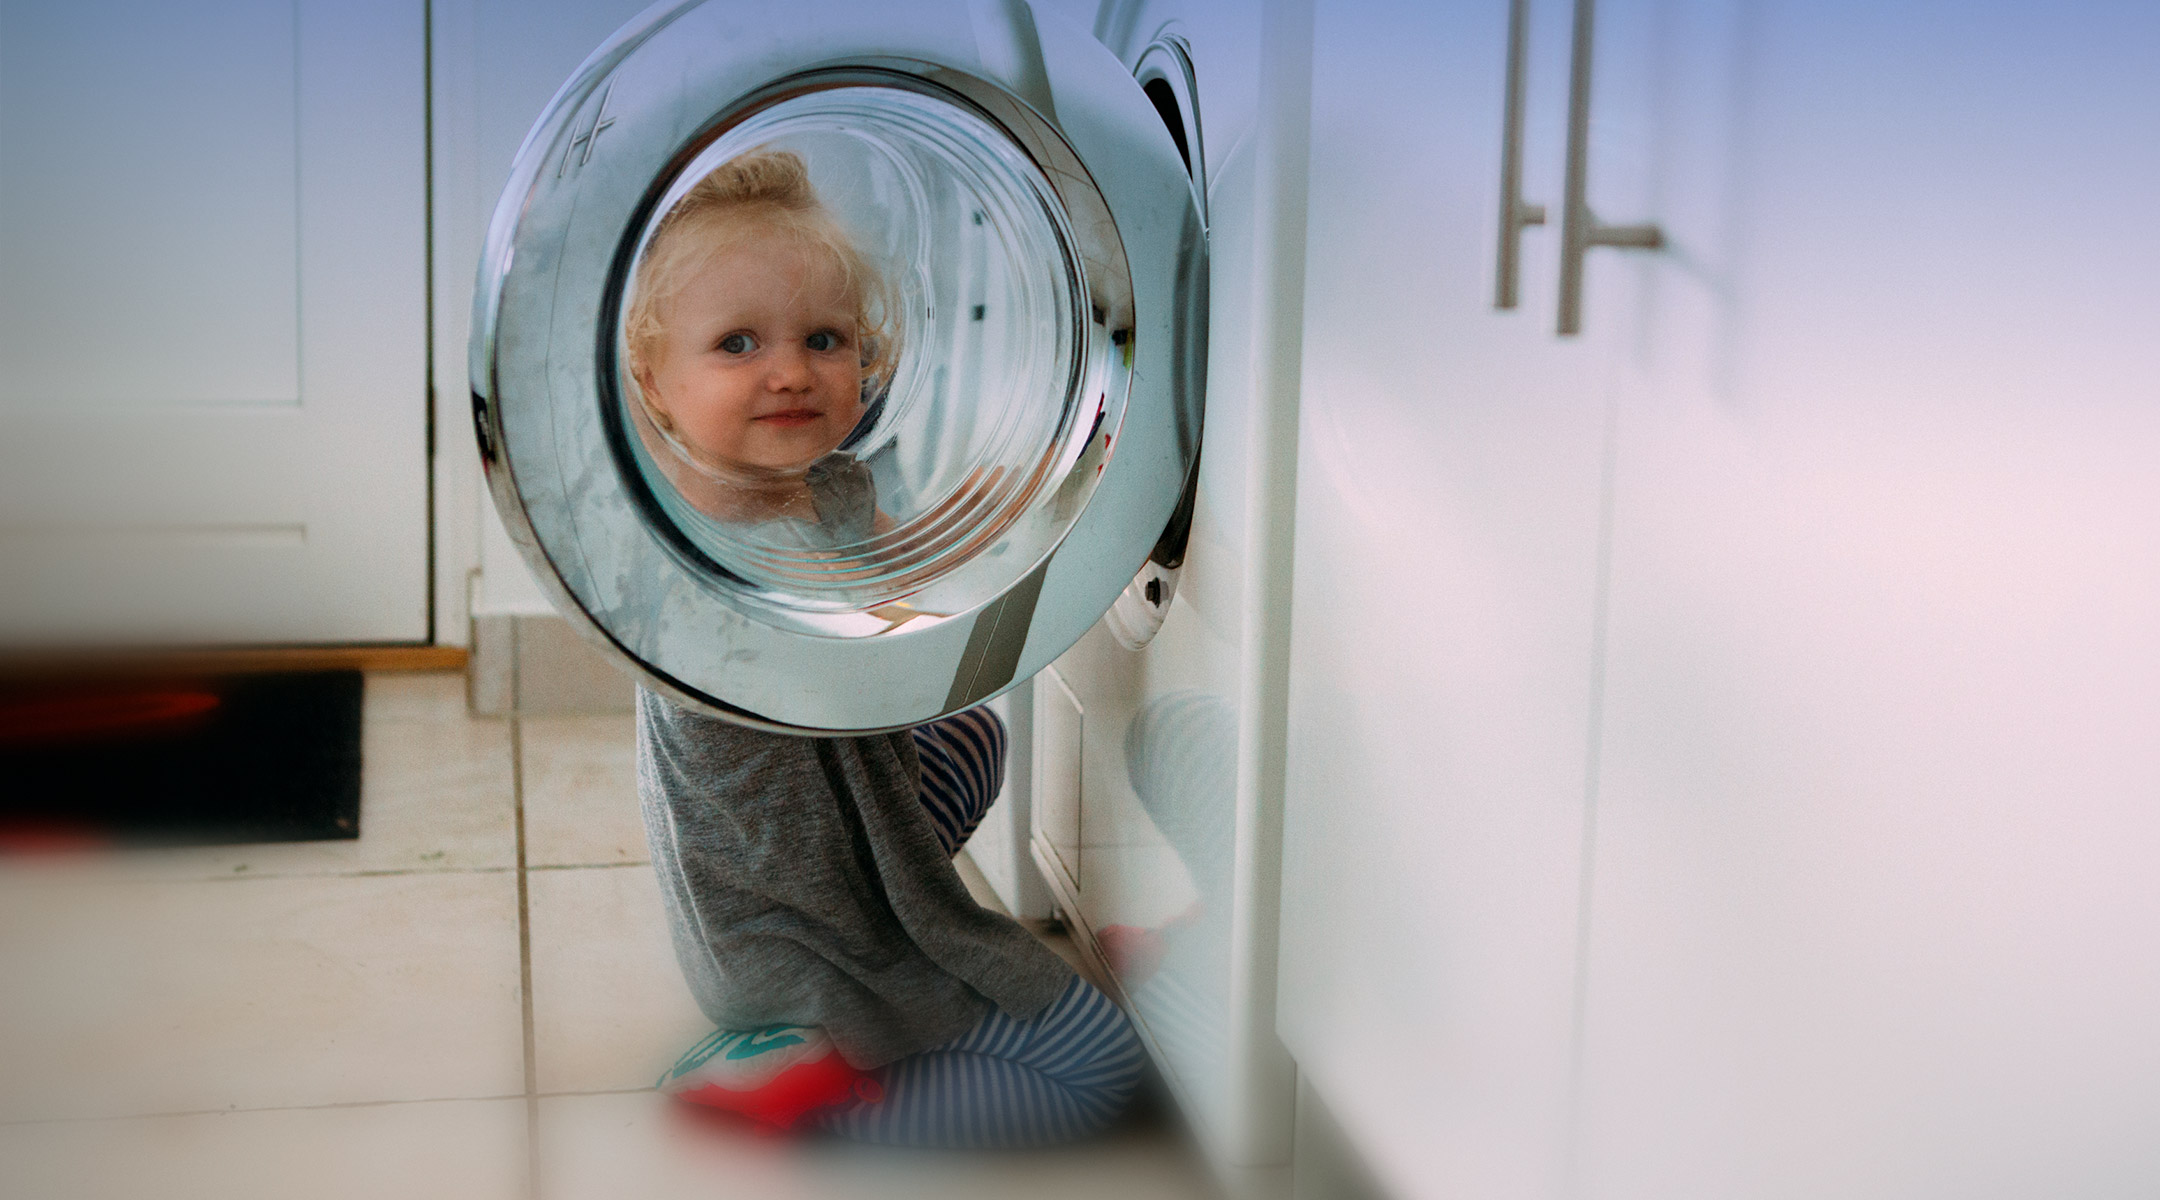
(379, 872)
(525, 971)
(329, 1106)
(357, 873)
(181, 1113)
(383, 872)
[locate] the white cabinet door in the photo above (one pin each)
(1874, 911)
(1451, 459)
(213, 404)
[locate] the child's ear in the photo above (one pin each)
(642, 372)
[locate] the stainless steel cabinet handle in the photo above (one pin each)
(1579, 227)
(1514, 214)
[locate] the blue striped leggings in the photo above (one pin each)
(1057, 1076)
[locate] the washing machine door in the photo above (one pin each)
(836, 364)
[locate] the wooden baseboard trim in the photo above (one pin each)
(358, 658)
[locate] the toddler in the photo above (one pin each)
(808, 881)
(757, 332)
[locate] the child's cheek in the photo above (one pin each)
(712, 425)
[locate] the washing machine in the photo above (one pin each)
(1153, 806)
(1059, 268)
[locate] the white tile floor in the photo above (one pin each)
(350, 1019)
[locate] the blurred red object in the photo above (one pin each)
(54, 718)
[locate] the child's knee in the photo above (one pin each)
(994, 733)
(985, 739)
(991, 729)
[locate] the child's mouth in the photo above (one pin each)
(791, 417)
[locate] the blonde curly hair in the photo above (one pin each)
(759, 190)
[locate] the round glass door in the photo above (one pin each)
(839, 398)
(850, 351)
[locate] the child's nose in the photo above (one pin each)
(790, 370)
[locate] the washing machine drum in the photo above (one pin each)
(836, 381)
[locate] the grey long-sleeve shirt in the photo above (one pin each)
(805, 885)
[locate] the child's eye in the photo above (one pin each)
(738, 343)
(824, 339)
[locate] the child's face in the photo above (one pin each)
(757, 363)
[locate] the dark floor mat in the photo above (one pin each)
(263, 757)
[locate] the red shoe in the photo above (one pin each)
(773, 1076)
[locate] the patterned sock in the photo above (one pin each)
(772, 1076)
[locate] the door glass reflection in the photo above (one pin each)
(850, 354)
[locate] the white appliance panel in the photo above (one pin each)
(1158, 811)
(1156, 893)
